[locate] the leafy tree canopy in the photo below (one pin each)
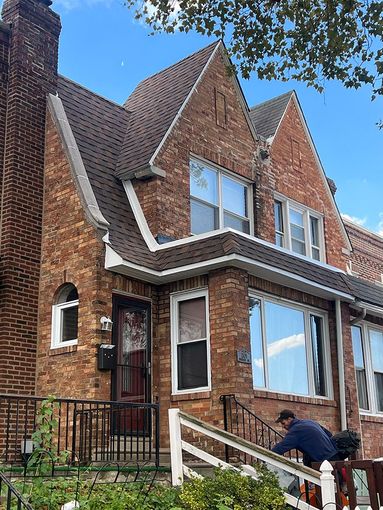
(307, 40)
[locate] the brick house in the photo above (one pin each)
(206, 230)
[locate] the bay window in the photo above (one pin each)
(190, 342)
(217, 200)
(298, 229)
(289, 348)
(367, 342)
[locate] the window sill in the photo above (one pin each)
(65, 349)
(372, 418)
(201, 395)
(295, 398)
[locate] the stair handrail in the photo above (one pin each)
(233, 396)
(178, 418)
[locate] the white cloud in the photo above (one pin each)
(354, 219)
(274, 349)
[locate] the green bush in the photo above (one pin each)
(227, 490)
(230, 490)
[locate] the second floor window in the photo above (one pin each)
(217, 200)
(298, 229)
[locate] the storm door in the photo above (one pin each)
(131, 381)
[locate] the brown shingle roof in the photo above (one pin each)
(267, 116)
(154, 104)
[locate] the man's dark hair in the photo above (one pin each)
(284, 415)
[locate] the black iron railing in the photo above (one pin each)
(10, 496)
(243, 422)
(90, 430)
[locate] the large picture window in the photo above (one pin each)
(65, 317)
(289, 348)
(190, 342)
(367, 342)
(217, 200)
(298, 229)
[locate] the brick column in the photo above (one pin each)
(4, 55)
(32, 74)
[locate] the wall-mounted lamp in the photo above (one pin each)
(106, 323)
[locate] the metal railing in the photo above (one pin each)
(90, 430)
(242, 422)
(10, 497)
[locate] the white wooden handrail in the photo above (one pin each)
(178, 418)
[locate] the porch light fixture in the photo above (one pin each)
(106, 323)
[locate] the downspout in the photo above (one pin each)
(342, 385)
(361, 315)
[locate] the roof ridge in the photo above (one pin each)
(290, 92)
(366, 230)
(65, 78)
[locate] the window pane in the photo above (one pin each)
(279, 240)
(361, 383)
(234, 196)
(236, 223)
(69, 323)
(191, 320)
(256, 343)
(357, 346)
(297, 233)
(298, 247)
(296, 217)
(278, 216)
(317, 339)
(376, 339)
(379, 390)
(203, 182)
(314, 228)
(315, 253)
(286, 349)
(204, 218)
(192, 365)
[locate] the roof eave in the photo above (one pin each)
(142, 173)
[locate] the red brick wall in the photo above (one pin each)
(166, 201)
(4, 55)
(367, 256)
(32, 74)
(297, 178)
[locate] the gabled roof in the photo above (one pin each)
(154, 105)
(267, 116)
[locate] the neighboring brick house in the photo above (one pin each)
(206, 230)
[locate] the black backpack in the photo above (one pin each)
(347, 443)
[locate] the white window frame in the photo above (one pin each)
(174, 300)
(369, 369)
(288, 204)
(241, 180)
(57, 323)
(307, 310)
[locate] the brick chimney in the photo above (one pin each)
(29, 35)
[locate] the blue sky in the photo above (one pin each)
(105, 49)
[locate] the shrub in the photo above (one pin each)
(230, 490)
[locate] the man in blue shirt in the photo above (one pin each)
(307, 436)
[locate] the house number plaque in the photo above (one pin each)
(244, 356)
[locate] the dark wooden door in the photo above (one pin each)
(132, 375)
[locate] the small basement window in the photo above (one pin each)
(65, 317)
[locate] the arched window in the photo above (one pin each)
(65, 317)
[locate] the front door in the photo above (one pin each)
(132, 375)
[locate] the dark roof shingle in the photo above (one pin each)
(267, 116)
(153, 106)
